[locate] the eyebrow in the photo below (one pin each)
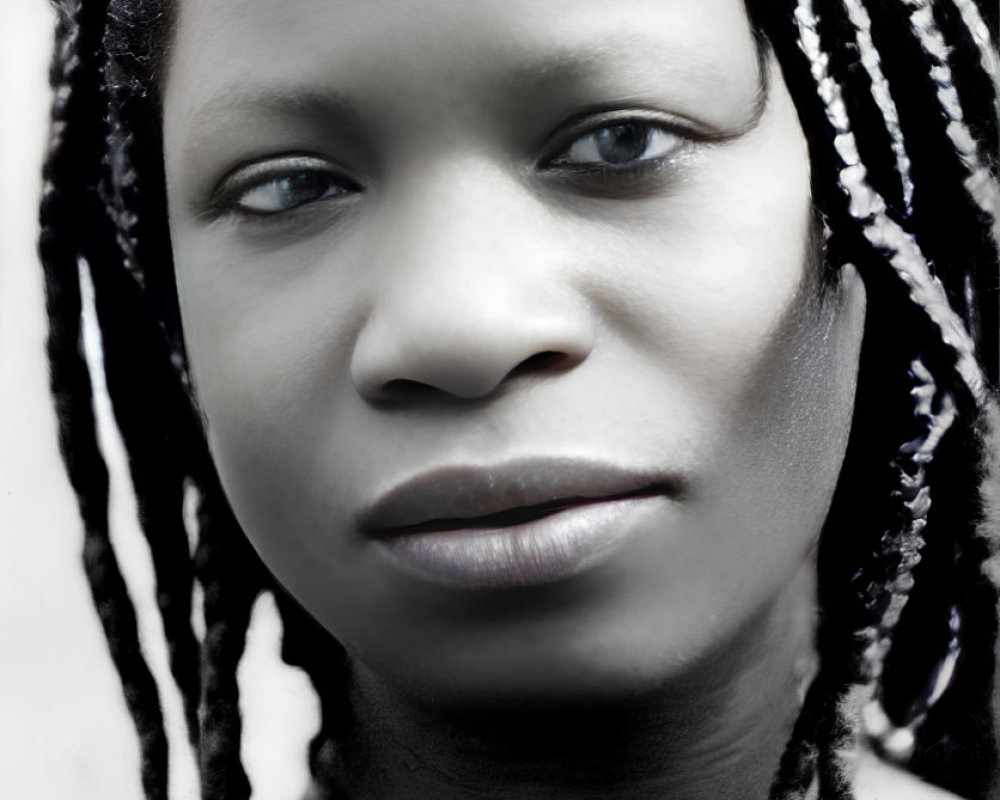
(328, 106)
(574, 64)
(276, 102)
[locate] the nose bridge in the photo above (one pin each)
(449, 226)
(469, 285)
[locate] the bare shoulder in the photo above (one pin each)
(879, 780)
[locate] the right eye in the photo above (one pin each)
(288, 192)
(282, 185)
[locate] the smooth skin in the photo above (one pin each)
(404, 242)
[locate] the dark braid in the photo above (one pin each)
(133, 40)
(140, 379)
(232, 578)
(228, 571)
(307, 645)
(142, 392)
(67, 211)
(943, 216)
(140, 366)
(903, 146)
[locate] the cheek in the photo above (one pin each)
(700, 283)
(268, 343)
(769, 455)
(781, 451)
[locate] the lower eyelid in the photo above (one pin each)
(639, 178)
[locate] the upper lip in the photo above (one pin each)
(461, 496)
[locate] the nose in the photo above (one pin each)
(472, 290)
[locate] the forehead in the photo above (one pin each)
(454, 50)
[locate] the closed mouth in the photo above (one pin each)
(515, 516)
(504, 495)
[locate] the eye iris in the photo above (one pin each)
(620, 144)
(303, 188)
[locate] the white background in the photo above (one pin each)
(64, 731)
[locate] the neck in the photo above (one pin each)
(717, 732)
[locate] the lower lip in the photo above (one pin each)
(533, 553)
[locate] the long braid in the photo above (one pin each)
(799, 761)
(905, 545)
(980, 33)
(980, 184)
(869, 209)
(227, 569)
(141, 390)
(835, 764)
(70, 172)
(307, 645)
(828, 745)
(881, 93)
(152, 356)
(945, 221)
(142, 385)
(232, 579)
(926, 290)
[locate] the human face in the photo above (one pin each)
(475, 287)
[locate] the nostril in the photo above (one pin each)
(547, 360)
(405, 389)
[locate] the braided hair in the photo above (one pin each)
(899, 101)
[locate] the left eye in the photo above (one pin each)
(619, 146)
(286, 192)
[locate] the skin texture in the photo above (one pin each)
(463, 296)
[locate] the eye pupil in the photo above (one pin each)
(304, 187)
(620, 144)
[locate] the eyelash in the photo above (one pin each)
(269, 175)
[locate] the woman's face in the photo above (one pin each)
(507, 326)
